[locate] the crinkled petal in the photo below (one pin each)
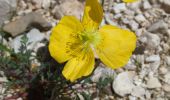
(79, 66)
(129, 1)
(64, 41)
(93, 15)
(116, 46)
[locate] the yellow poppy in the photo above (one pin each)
(74, 41)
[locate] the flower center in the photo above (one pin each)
(90, 37)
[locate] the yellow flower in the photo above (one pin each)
(75, 42)
(129, 1)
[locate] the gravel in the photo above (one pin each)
(147, 74)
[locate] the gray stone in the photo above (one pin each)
(123, 83)
(119, 7)
(3, 79)
(151, 40)
(159, 26)
(166, 87)
(69, 7)
(32, 19)
(38, 3)
(167, 78)
(167, 60)
(146, 5)
(138, 91)
(34, 36)
(140, 18)
(153, 58)
(46, 4)
(153, 82)
(7, 8)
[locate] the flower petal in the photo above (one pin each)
(93, 15)
(77, 67)
(129, 1)
(64, 40)
(116, 46)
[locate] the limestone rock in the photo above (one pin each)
(123, 83)
(32, 19)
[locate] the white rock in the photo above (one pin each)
(154, 66)
(34, 36)
(102, 72)
(167, 60)
(135, 5)
(130, 65)
(153, 58)
(46, 4)
(148, 95)
(151, 40)
(7, 7)
(167, 77)
(38, 3)
(3, 79)
(70, 7)
(133, 25)
(132, 98)
(140, 18)
(109, 19)
(138, 91)
(163, 70)
(166, 87)
(146, 5)
(159, 26)
(119, 7)
(153, 82)
(123, 83)
(19, 99)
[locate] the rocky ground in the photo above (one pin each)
(147, 74)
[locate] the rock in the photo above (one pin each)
(19, 99)
(146, 5)
(153, 58)
(133, 25)
(34, 36)
(3, 79)
(163, 70)
(153, 82)
(132, 98)
(151, 40)
(130, 65)
(166, 5)
(38, 3)
(135, 5)
(154, 66)
(123, 83)
(109, 19)
(46, 4)
(138, 91)
(140, 18)
(102, 72)
(148, 95)
(71, 7)
(167, 60)
(166, 87)
(7, 8)
(32, 19)
(167, 77)
(159, 26)
(119, 7)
